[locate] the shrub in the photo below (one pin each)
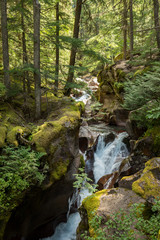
(142, 95)
(133, 225)
(18, 171)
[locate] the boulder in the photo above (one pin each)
(133, 130)
(127, 181)
(141, 152)
(148, 185)
(105, 203)
(107, 181)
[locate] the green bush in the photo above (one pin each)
(142, 95)
(18, 171)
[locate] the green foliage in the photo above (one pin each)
(2, 90)
(133, 225)
(83, 182)
(18, 171)
(142, 95)
(95, 107)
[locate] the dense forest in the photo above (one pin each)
(48, 48)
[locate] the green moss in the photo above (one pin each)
(119, 57)
(155, 133)
(11, 135)
(81, 107)
(52, 130)
(3, 133)
(148, 185)
(59, 170)
(91, 205)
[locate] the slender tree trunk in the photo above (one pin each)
(57, 48)
(125, 29)
(156, 21)
(5, 42)
(74, 48)
(37, 76)
(131, 28)
(25, 56)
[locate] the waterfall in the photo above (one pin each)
(108, 158)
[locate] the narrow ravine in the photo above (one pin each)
(107, 159)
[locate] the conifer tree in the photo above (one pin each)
(5, 42)
(74, 48)
(37, 76)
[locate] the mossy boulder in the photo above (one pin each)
(59, 139)
(148, 185)
(12, 134)
(3, 133)
(105, 203)
(155, 134)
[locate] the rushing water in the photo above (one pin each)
(107, 160)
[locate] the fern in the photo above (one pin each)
(19, 170)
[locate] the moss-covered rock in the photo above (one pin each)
(3, 133)
(105, 203)
(91, 205)
(59, 139)
(155, 134)
(148, 185)
(12, 134)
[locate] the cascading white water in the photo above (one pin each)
(109, 157)
(107, 160)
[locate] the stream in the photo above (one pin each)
(107, 159)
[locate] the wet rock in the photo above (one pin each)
(89, 164)
(107, 181)
(127, 181)
(84, 132)
(110, 180)
(108, 138)
(83, 144)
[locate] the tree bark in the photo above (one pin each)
(5, 42)
(74, 48)
(57, 49)
(124, 29)
(156, 21)
(131, 28)
(37, 76)
(25, 56)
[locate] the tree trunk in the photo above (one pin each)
(74, 48)
(5, 42)
(25, 56)
(124, 29)
(57, 49)
(37, 76)
(131, 28)
(156, 21)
